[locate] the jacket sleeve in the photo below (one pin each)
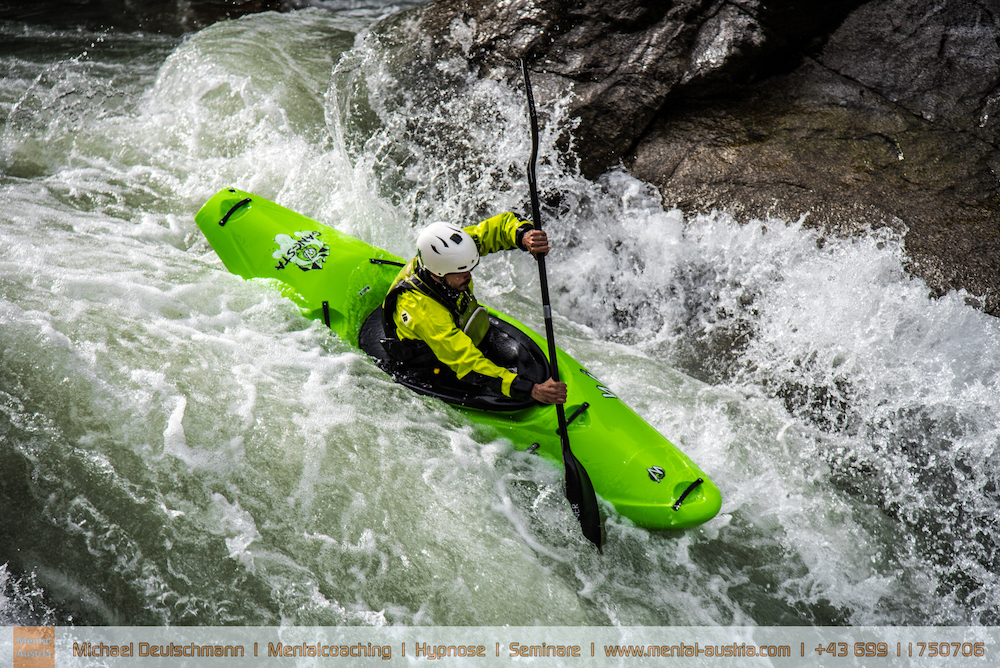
(502, 232)
(420, 317)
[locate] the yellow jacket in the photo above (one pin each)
(420, 315)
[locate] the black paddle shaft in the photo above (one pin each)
(579, 490)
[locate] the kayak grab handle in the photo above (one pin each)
(691, 487)
(577, 413)
(377, 260)
(241, 203)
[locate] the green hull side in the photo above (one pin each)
(631, 465)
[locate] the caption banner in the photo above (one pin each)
(151, 647)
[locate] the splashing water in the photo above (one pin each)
(185, 448)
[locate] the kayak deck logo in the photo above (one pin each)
(305, 251)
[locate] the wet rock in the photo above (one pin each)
(939, 60)
(891, 124)
(622, 59)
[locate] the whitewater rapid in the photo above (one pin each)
(180, 446)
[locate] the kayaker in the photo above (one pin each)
(430, 315)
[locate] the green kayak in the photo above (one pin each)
(342, 281)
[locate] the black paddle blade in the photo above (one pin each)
(582, 499)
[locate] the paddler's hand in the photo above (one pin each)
(549, 392)
(536, 242)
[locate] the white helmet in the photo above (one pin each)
(444, 248)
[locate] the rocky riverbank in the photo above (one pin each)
(858, 116)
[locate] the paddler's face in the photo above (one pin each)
(459, 280)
